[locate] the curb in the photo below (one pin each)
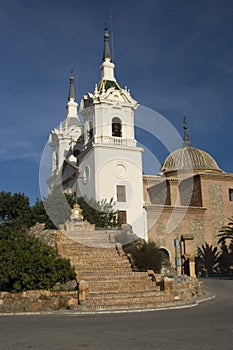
(189, 304)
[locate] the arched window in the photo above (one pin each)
(116, 127)
(165, 253)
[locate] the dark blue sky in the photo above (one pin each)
(176, 56)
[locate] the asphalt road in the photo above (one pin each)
(207, 326)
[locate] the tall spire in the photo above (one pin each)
(71, 106)
(186, 142)
(107, 53)
(71, 89)
(107, 67)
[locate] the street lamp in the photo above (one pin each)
(177, 256)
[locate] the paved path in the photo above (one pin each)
(208, 326)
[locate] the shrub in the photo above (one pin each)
(146, 255)
(27, 264)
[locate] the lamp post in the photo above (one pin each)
(177, 256)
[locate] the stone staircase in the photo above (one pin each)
(97, 239)
(111, 281)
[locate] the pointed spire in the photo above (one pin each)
(107, 67)
(186, 142)
(107, 53)
(71, 89)
(71, 106)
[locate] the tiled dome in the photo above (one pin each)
(189, 158)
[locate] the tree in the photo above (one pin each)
(207, 260)
(226, 232)
(226, 258)
(27, 263)
(17, 215)
(39, 215)
(15, 212)
(56, 209)
(146, 255)
(57, 206)
(100, 213)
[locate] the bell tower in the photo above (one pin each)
(63, 138)
(111, 161)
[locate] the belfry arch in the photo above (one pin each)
(116, 127)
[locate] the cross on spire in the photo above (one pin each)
(186, 140)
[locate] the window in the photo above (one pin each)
(122, 217)
(116, 127)
(231, 194)
(165, 254)
(121, 193)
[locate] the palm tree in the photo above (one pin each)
(207, 259)
(226, 232)
(226, 258)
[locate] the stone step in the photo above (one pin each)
(128, 274)
(80, 238)
(129, 301)
(103, 252)
(116, 278)
(106, 271)
(76, 245)
(96, 244)
(104, 296)
(96, 262)
(125, 284)
(101, 264)
(75, 237)
(112, 259)
(132, 304)
(106, 278)
(113, 276)
(122, 286)
(98, 233)
(129, 306)
(78, 260)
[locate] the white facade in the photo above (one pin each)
(110, 162)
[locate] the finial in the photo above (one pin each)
(186, 142)
(107, 53)
(96, 90)
(71, 89)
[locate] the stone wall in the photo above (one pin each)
(173, 291)
(190, 192)
(46, 236)
(36, 301)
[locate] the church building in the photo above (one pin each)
(186, 203)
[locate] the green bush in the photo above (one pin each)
(28, 264)
(146, 255)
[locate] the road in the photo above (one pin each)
(208, 326)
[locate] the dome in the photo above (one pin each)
(189, 158)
